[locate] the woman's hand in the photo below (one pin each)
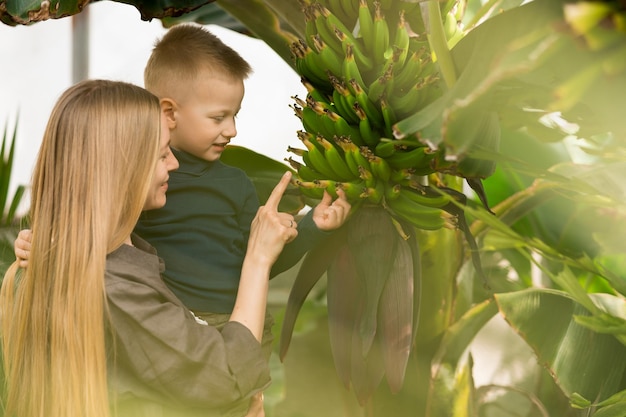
(270, 229)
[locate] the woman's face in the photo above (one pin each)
(167, 162)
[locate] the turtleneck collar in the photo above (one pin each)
(190, 163)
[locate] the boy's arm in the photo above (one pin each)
(21, 247)
(317, 224)
(309, 236)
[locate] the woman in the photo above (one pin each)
(89, 322)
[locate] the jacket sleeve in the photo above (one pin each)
(162, 352)
(309, 236)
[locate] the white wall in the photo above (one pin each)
(36, 66)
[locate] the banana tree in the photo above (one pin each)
(450, 126)
(8, 204)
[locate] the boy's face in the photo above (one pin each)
(205, 116)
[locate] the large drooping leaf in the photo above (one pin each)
(497, 50)
(209, 14)
(566, 348)
(8, 204)
(25, 12)
(447, 362)
(265, 22)
(265, 173)
(314, 266)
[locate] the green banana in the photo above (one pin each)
(330, 186)
(343, 100)
(374, 193)
(306, 66)
(341, 9)
(351, 71)
(366, 175)
(428, 199)
(314, 92)
(309, 188)
(371, 110)
(389, 116)
(326, 126)
(344, 108)
(293, 163)
(407, 103)
(401, 40)
(418, 159)
(402, 176)
(407, 76)
(354, 189)
(342, 128)
(310, 119)
(392, 191)
(381, 85)
(309, 25)
(366, 23)
(420, 216)
(298, 151)
(321, 24)
(305, 172)
(385, 147)
(336, 161)
(318, 161)
(380, 167)
(381, 31)
(347, 40)
(328, 58)
(349, 148)
(369, 133)
(333, 23)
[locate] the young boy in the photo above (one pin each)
(202, 231)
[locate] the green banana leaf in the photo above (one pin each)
(261, 18)
(25, 12)
(445, 365)
(515, 61)
(209, 14)
(483, 61)
(566, 348)
(9, 223)
(265, 173)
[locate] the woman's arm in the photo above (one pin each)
(270, 231)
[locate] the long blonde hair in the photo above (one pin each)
(89, 186)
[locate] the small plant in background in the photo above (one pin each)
(9, 222)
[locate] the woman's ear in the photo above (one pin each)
(168, 106)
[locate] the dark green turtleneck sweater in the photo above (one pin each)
(202, 233)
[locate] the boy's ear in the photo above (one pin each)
(168, 106)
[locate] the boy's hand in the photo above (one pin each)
(22, 247)
(329, 214)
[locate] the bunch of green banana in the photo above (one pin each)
(364, 68)
(366, 65)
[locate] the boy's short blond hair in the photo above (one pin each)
(186, 51)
